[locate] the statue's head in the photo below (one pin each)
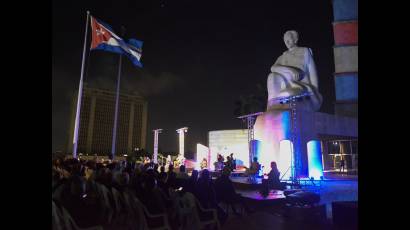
(290, 38)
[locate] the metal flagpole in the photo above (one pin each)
(114, 131)
(80, 92)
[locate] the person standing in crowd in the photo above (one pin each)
(228, 163)
(253, 171)
(182, 174)
(233, 162)
(204, 164)
(225, 192)
(172, 176)
(342, 165)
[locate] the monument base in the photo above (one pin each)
(273, 130)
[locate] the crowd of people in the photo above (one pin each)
(75, 186)
(221, 163)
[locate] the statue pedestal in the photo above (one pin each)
(273, 130)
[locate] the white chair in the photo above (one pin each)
(135, 219)
(187, 210)
(146, 216)
(57, 221)
(70, 224)
(205, 222)
(118, 201)
(174, 197)
(58, 192)
(107, 210)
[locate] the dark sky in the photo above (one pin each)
(199, 57)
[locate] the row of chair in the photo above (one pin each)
(124, 210)
(62, 220)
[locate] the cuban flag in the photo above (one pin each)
(103, 38)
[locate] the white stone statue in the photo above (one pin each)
(294, 73)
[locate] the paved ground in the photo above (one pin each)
(337, 188)
(268, 221)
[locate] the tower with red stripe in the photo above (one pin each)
(345, 29)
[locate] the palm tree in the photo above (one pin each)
(251, 103)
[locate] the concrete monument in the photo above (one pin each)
(294, 73)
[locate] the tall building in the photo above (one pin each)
(97, 121)
(345, 28)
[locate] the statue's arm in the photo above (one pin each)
(314, 79)
(286, 71)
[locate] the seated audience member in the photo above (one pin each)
(74, 199)
(152, 197)
(205, 190)
(273, 177)
(192, 182)
(172, 176)
(206, 195)
(225, 191)
(182, 174)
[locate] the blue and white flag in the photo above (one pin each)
(103, 38)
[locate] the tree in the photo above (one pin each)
(251, 103)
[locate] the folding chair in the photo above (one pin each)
(147, 216)
(107, 210)
(117, 203)
(57, 220)
(134, 218)
(69, 223)
(203, 221)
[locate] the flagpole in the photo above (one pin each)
(117, 97)
(80, 92)
(114, 131)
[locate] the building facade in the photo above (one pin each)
(97, 121)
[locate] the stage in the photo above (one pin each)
(242, 183)
(330, 189)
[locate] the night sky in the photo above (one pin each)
(199, 57)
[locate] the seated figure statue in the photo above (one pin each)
(294, 73)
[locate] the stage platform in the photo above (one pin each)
(275, 198)
(242, 183)
(255, 195)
